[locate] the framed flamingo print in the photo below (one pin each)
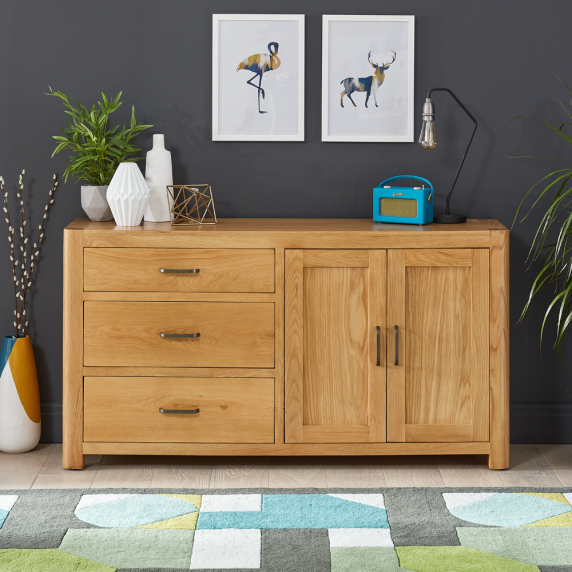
(258, 77)
(367, 78)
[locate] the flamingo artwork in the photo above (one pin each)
(260, 64)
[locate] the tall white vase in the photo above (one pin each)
(158, 174)
(128, 195)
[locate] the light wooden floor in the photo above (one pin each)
(532, 466)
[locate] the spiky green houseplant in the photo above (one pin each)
(552, 242)
(96, 149)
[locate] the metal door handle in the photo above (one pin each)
(378, 337)
(177, 271)
(179, 411)
(179, 335)
(396, 345)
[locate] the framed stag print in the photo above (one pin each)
(367, 78)
(258, 77)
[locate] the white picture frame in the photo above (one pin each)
(346, 42)
(235, 113)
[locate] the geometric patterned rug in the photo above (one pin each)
(277, 530)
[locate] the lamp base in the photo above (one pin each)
(449, 218)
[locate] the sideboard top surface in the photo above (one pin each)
(289, 233)
(269, 225)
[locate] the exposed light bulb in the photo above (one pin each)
(427, 138)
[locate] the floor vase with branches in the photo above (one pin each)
(20, 420)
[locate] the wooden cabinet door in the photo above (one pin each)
(438, 376)
(335, 346)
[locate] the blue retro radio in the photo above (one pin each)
(409, 205)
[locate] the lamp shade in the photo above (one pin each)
(128, 195)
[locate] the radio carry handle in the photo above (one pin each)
(409, 178)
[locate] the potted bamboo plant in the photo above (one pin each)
(552, 242)
(96, 150)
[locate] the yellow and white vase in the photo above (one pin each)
(19, 396)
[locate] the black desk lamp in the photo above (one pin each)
(427, 141)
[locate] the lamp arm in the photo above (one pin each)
(447, 211)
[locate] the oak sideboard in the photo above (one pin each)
(286, 337)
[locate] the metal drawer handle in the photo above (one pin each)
(179, 335)
(396, 345)
(179, 271)
(378, 336)
(179, 411)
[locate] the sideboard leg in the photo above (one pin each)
(73, 457)
(499, 351)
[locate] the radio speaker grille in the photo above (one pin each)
(404, 208)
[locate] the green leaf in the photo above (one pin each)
(94, 150)
(552, 241)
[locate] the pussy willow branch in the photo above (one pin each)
(22, 246)
(27, 278)
(12, 252)
(22, 271)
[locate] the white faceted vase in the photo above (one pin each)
(128, 195)
(158, 174)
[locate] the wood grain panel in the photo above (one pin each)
(128, 334)
(272, 226)
(119, 409)
(294, 346)
(336, 258)
(480, 365)
(377, 378)
(336, 433)
(287, 449)
(340, 234)
(396, 373)
(138, 269)
(178, 372)
(279, 361)
(438, 432)
(179, 297)
(439, 390)
(438, 326)
(499, 351)
(335, 391)
(72, 351)
(440, 257)
(388, 236)
(336, 346)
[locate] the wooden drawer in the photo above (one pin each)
(232, 334)
(140, 270)
(124, 409)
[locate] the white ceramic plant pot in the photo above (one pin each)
(94, 203)
(128, 195)
(158, 174)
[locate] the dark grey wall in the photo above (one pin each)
(500, 57)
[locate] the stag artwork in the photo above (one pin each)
(260, 64)
(368, 84)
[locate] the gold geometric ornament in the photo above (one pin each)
(190, 204)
